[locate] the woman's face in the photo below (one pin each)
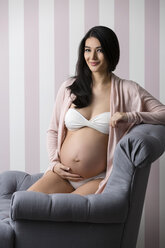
(94, 56)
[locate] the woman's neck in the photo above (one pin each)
(100, 80)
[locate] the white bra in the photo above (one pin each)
(74, 120)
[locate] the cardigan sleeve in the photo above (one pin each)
(52, 132)
(152, 111)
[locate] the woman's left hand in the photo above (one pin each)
(118, 117)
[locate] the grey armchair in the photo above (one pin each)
(109, 220)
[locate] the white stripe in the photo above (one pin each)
(136, 39)
(16, 84)
(46, 73)
(106, 13)
(76, 27)
(162, 99)
(136, 67)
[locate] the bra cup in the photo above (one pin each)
(74, 120)
(103, 118)
(101, 126)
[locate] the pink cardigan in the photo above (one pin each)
(126, 96)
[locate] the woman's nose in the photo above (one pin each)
(94, 55)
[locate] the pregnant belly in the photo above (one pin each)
(85, 152)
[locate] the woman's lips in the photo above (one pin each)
(94, 63)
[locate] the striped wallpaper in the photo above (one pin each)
(38, 51)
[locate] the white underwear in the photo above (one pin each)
(78, 184)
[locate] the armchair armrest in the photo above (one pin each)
(139, 148)
(145, 143)
(11, 181)
(100, 208)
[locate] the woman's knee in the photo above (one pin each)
(52, 176)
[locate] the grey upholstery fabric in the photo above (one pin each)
(110, 219)
(66, 207)
(68, 234)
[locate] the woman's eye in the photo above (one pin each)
(100, 50)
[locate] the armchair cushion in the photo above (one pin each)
(100, 208)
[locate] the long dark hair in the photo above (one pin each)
(82, 86)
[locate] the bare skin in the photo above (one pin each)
(83, 158)
(52, 183)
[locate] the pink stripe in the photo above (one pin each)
(32, 140)
(152, 85)
(4, 87)
(122, 31)
(61, 36)
(91, 14)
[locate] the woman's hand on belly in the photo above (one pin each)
(63, 171)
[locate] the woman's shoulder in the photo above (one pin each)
(63, 91)
(69, 81)
(65, 84)
(126, 84)
(130, 85)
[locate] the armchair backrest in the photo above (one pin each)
(133, 157)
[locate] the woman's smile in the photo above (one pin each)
(94, 63)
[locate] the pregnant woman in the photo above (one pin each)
(93, 110)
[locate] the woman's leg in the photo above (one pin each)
(88, 188)
(51, 183)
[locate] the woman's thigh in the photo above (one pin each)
(88, 188)
(51, 183)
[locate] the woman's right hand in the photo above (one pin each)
(63, 171)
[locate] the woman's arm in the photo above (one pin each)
(153, 111)
(52, 132)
